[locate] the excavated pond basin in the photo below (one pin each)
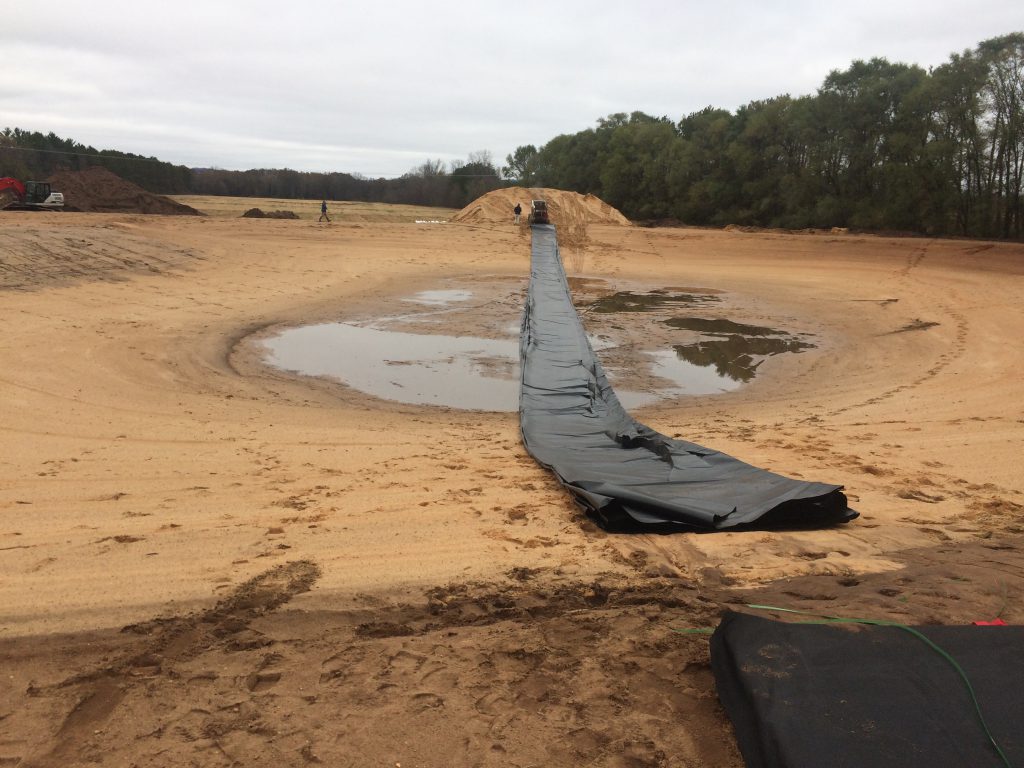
(477, 373)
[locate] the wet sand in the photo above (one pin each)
(208, 561)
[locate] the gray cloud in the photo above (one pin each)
(376, 88)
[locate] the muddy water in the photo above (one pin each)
(415, 368)
(453, 371)
(463, 369)
(628, 301)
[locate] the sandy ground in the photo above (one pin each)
(204, 561)
(344, 210)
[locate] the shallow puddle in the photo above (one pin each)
(414, 368)
(474, 373)
(690, 376)
(454, 371)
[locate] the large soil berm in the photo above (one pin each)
(565, 208)
(97, 190)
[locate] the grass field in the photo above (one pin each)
(233, 207)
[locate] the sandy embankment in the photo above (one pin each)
(403, 584)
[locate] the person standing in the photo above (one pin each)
(323, 212)
(518, 210)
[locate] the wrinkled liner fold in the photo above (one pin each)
(623, 473)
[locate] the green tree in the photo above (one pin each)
(521, 166)
(475, 177)
(634, 174)
(1003, 124)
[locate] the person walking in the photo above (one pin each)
(518, 210)
(323, 212)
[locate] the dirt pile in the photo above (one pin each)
(259, 213)
(566, 209)
(98, 190)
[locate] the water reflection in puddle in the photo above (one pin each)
(735, 357)
(414, 368)
(736, 350)
(454, 371)
(483, 374)
(690, 377)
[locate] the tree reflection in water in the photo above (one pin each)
(738, 351)
(735, 356)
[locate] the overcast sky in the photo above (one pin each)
(379, 87)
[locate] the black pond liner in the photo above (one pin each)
(626, 475)
(810, 695)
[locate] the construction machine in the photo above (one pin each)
(30, 196)
(538, 213)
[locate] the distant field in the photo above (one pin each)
(233, 207)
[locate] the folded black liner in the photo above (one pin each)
(851, 695)
(626, 475)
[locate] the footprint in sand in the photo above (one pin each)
(262, 680)
(424, 701)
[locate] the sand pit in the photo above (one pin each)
(98, 190)
(567, 209)
(210, 561)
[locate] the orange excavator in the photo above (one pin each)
(30, 196)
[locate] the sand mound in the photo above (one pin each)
(259, 213)
(565, 208)
(98, 190)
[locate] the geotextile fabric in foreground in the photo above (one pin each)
(626, 475)
(849, 695)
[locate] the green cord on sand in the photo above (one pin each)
(827, 619)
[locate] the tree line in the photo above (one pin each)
(881, 146)
(33, 155)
